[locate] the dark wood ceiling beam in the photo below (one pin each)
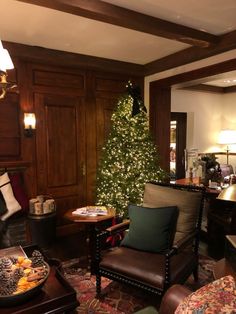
(230, 89)
(108, 13)
(227, 42)
(194, 75)
(206, 88)
(69, 59)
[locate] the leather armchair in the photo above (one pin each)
(170, 301)
(172, 298)
(156, 272)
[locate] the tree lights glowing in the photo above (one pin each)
(129, 158)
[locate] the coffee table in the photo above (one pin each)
(56, 296)
(92, 225)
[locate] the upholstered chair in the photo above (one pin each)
(161, 247)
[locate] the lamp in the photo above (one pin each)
(5, 64)
(227, 137)
(29, 124)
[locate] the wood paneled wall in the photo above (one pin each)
(73, 107)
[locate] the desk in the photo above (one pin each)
(92, 224)
(56, 296)
(223, 268)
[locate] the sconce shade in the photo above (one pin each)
(5, 64)
(29, 121)
(5, 61)
(228, 194)
(227, 137)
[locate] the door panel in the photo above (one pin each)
(62, 165)
(60, 152)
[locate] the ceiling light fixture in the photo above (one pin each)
(5, 64)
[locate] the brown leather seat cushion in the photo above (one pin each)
(141, 266)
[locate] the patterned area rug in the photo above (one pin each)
(119, 298)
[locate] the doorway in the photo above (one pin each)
(178, 127)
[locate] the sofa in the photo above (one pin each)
(215, 297)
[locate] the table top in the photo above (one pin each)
(89, 219)
(56, 296)
(223, 268)
(186, 181)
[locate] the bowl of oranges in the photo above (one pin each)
(21, 277)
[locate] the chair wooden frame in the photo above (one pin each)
(192, 238)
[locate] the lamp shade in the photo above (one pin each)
(227, 137)
(29, 121)
(228, 194)
(5, 60)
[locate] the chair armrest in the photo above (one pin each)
(112, 231)
(182, 243)
(118, 228)
(172, 298)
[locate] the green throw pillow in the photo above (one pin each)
(151, 229)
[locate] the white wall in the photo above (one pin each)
(207, 113)
(203, 117)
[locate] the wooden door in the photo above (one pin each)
(60, 149)
(181, 125)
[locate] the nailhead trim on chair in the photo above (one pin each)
(122, 278)
(132, 282)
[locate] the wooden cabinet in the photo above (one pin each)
(221, 220)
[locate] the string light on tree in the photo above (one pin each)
(129, 157)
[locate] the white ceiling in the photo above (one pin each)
(34, 25)
(223, 80)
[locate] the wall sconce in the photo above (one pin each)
(5, 64)
(29, 124)
(227, 137)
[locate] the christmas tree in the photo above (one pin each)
(129, 157)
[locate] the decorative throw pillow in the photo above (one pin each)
(11, 203)
(217, 297)
(187, 202)
(151, 229)
(19, 192)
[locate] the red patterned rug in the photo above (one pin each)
(119, 298)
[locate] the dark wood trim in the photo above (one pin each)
(190, 76)
(206, 88)
(230, 89)
(227, 42)
(211, 88)
(68, 59)
(112, 14)
(16, 164)
(160, 123)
